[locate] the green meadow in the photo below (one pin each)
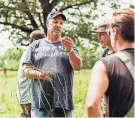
(9, 106)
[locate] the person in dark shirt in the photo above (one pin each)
(110, 76)
(50, 63)
(105, 42)
(104, 38)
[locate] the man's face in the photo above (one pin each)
(55, 26)
(104, 39)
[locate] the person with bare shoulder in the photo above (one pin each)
(110, 75)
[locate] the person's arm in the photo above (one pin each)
(75, 60)
(32, 73)
(97, 87)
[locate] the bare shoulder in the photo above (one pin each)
(99, 74)
(98, 83)
(99, 66)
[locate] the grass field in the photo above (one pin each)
(9, 106)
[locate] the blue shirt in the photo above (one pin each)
(51, 57)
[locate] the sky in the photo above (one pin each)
(109, 11)
(5, 43)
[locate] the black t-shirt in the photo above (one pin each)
(105, 53)
(53, 58)
(120, 94)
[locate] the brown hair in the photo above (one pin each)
(124, 20)
(35, 35)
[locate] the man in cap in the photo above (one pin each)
(110, 76)
(50, 63)
(24, 84)
(104, 39)
(103, 36)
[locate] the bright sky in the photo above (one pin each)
(5, 43)
(108, 10)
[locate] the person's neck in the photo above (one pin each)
(53, 39)
(110, 49)
(124, 45)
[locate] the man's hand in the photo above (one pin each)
(32, 73)
(74, 59)
(67, 43)
(26, 110)
(44, 76)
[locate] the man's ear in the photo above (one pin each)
(116, 33)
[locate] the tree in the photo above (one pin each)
(10, 60)
(21, 17)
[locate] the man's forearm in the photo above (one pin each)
(31, 73)
(75, 61)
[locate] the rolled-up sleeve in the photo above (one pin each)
(28, 59)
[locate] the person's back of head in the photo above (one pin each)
(123, 20)
(35, 35)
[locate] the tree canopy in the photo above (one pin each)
(21, 17)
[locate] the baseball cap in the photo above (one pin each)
(55, 13)
(102, 27)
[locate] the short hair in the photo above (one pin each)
(35, 35)
(124, 20)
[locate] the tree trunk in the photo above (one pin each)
(5, 72)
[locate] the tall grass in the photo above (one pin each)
(9, 106)
(8, 101)
(80, 90)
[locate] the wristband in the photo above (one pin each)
(70, 51)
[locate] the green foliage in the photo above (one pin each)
(27, 15)
(80, 91)
(89, 58)
(20, 17)
(10, 60)
(89, 54)
(9, 106)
